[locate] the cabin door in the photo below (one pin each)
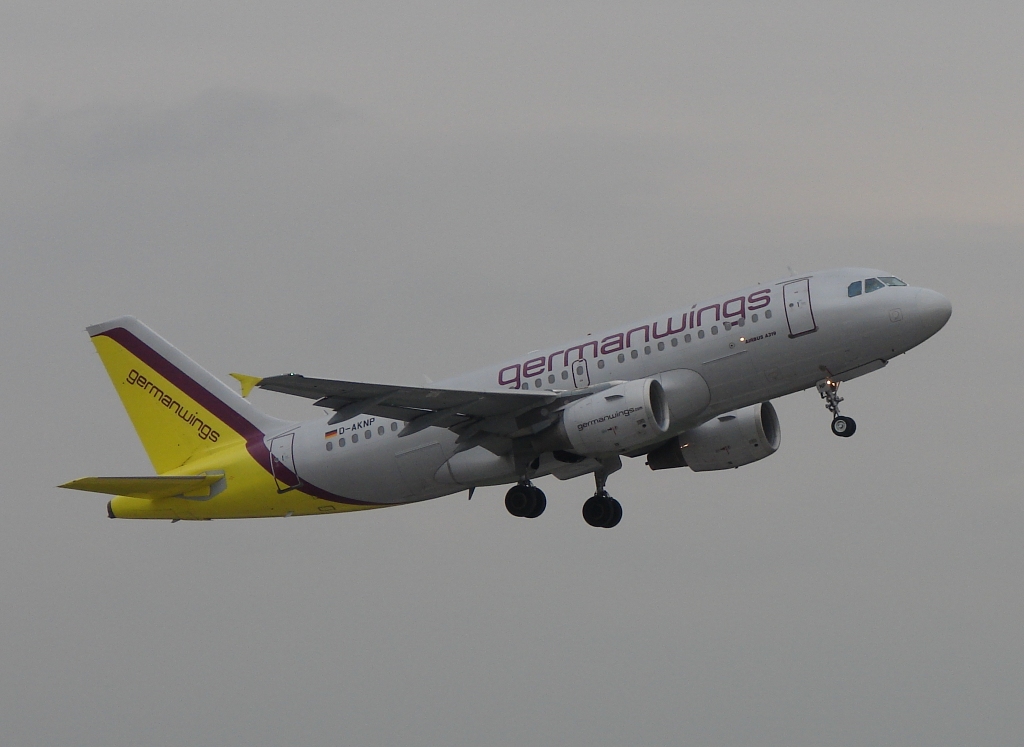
(796, 297)
(282, 462)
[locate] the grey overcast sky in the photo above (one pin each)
(386, 191)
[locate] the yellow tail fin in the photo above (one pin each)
(179, 409)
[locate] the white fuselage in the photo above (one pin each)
(750, 347)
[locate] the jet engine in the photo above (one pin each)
(726, 442)
(618, 419)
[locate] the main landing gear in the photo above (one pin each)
(841, 424)
(525, 500)
(601, 510)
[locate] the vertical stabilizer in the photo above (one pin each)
(178, 408)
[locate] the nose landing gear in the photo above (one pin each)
(841, 425)
(525, 500)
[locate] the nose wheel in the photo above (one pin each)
(841, 424)
(525, 500)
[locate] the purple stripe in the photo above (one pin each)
(255, 442)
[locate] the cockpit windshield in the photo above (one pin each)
(871, 284)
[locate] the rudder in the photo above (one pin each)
(178, 408)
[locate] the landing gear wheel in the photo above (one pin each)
(519, 499)
(616, 516)
(540, 502)
(843, 426)
(525, 501)
(602, 510)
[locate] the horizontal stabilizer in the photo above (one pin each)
(194, 487)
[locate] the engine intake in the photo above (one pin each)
(726, 442)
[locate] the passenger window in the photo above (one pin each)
(700, 333)
(647, 349)
(661, 346)
(892, 281)
(551, 378)
(341, 442)
(394, 426)
(330, 445)
(367, 434)
(565, 375)
(355, 438)
(687, 338)
(727, 326)
(622, 358)
(753, 318)
(526, 385)
(675, 342)
(600, 364)
(714, 329)
(634, 354)
(873, 284)
(380, 430)
(538, 383)
(767, 313)
(854, 289)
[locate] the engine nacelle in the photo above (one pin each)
(725, 442)
(618, 419)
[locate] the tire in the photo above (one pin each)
(540, 502)
(519, 500)
(843, 426)
(616, 514)
(597, 510)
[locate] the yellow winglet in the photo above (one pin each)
(195, 487)
(247, 382)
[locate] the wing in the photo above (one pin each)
(487, 418)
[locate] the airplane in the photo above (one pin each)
(692, 388)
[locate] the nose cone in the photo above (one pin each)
(933, 311)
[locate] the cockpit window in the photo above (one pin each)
(854, 289)
(892, 281)
(872, 284)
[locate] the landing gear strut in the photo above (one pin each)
(841, 425)
(601, 510)
(525, 500)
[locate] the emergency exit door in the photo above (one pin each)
(580, 374)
